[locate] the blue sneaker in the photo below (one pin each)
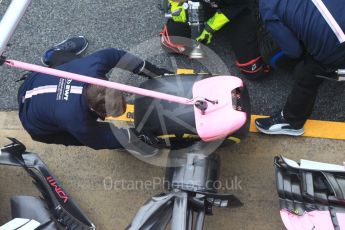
(76, 45)
(277, 125)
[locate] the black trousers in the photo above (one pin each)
(300, 102)
(241, 30)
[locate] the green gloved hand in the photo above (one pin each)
(213, 24)
(205, 37)
(178, 11)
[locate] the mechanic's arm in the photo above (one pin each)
(233, 8)
(100, 135)
(114, 58)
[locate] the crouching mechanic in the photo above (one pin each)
(313, 32)
(62, 111)
(242, 32)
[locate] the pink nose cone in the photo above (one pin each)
(219, 120)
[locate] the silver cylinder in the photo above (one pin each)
(341, 71)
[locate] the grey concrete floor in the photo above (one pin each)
(87, 175)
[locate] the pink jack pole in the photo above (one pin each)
(95, 81)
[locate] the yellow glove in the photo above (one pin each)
(178, 11)
(205, 37)
(217, 21)
(213, 24)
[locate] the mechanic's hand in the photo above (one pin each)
(178, 11)
(213, 24)
(205, 37)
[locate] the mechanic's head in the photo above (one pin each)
(104, 101)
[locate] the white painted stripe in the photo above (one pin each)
(330, 20)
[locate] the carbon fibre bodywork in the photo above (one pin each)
(57, 210)
(310, 187)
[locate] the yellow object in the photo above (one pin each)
(313, 128)
(128, 116)
(213, 24)
(234, 139)
(178, 11)
(205, 37)
(185, 71)
(316, 128)
(217, 21)
(167, 136)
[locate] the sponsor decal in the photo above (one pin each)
(63, 89)
(58, 190)
(254, 66)
(67, 90)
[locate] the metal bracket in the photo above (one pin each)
(338, 75)
(202, 105)
(341, 74)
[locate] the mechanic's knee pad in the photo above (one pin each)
(254, 69)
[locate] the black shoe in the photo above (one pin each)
(263, 73)
(76, 45)
(254, 69)
(277, 125)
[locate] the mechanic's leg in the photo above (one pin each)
(243, 37)
(175, 37)
(300, 102)
(60, 138)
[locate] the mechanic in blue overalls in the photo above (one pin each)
(313, 32)
(62, 111)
